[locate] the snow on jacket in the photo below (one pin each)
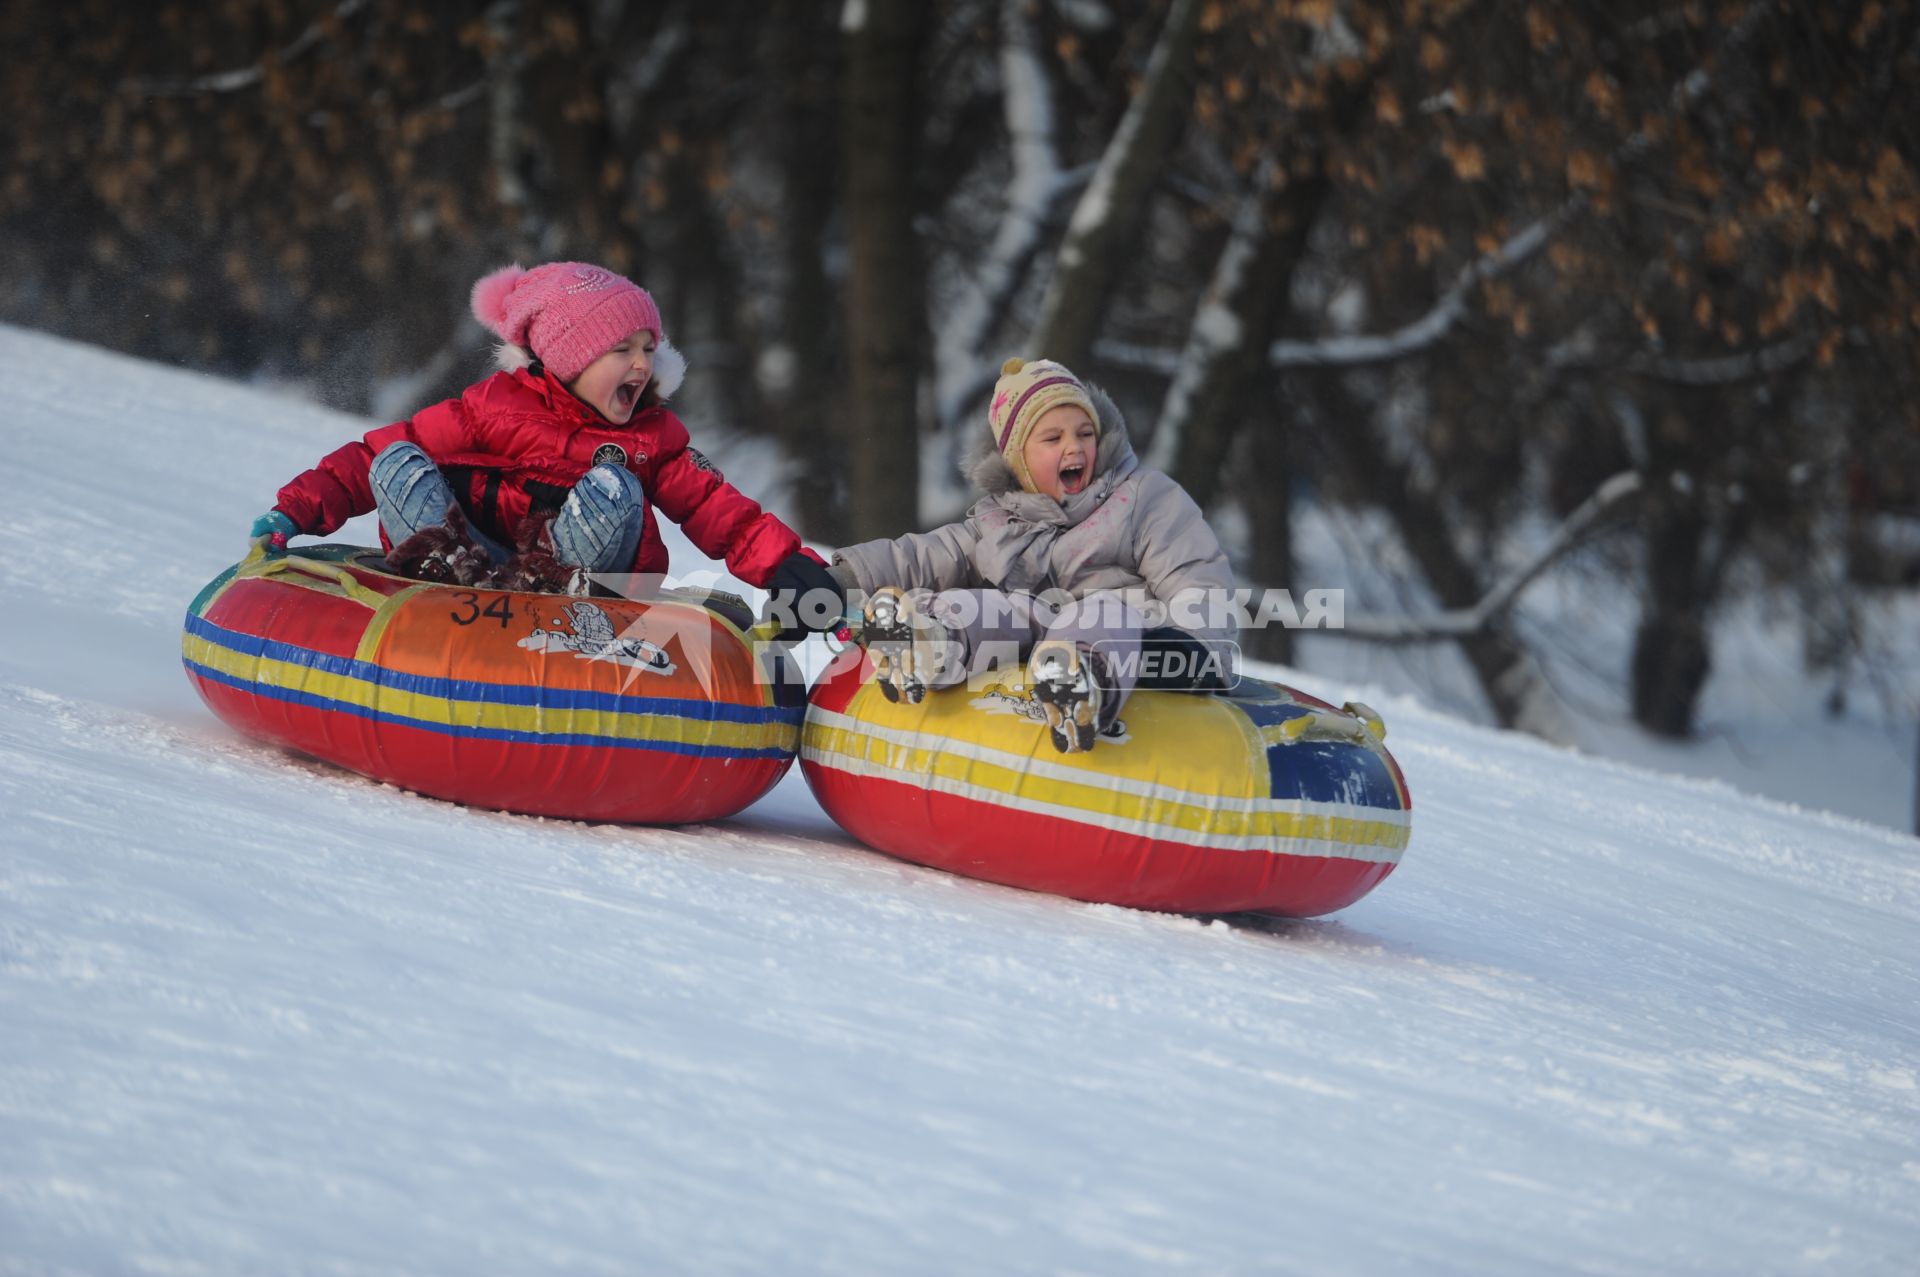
(1132, 529)
(518, 442)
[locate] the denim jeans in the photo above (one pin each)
(598, 527)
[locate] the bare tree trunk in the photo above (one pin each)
(1107, 221)
(1689, 542)
(700, 295)
(1267, 495)
(803, 403)
(884, 319)
(1671, 657)
(1511, 679)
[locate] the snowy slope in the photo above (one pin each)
(257, 1015)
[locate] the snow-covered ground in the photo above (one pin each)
(257, 1015)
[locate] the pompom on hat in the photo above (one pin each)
(567, 314)
(1025, 393)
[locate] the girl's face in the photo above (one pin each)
(1060, 451)
(611, 384)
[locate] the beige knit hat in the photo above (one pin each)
(1024, 394)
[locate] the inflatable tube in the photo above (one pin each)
(594, 709)
(1260, 800)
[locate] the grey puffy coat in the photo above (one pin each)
(1132, 529)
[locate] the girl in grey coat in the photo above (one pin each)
(1075, 549)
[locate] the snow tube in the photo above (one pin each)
(1259, 800)
(653, 712)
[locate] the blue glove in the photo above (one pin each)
(271, 530)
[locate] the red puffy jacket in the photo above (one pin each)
(519, 441)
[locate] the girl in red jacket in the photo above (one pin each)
(559, 458)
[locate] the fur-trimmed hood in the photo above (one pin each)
(1130, 529)
(669, 368)
(983, 466)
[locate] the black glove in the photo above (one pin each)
(804, 595)
(1175, 661)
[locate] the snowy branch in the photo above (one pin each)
(1137, 358)
(1461, 622)
(1368, 348)
(166, 86)
(646, 72)
(461, 97)
(1711, 370)
(1724, 370)
(1433, 325)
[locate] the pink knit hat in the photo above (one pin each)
(567, 313)
(1025, 393)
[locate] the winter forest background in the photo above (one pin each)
(1626, 291)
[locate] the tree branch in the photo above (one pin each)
(1461, 622)
(1724, 370)
(1371, 348)
(168, 86)
(1709, 370)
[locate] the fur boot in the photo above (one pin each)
(534, 567)
(445, 554)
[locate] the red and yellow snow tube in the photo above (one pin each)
(1263, 800)
(655, 712)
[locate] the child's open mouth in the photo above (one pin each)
(1073, 477)
(627, 394)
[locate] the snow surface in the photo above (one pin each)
(258, 1015)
